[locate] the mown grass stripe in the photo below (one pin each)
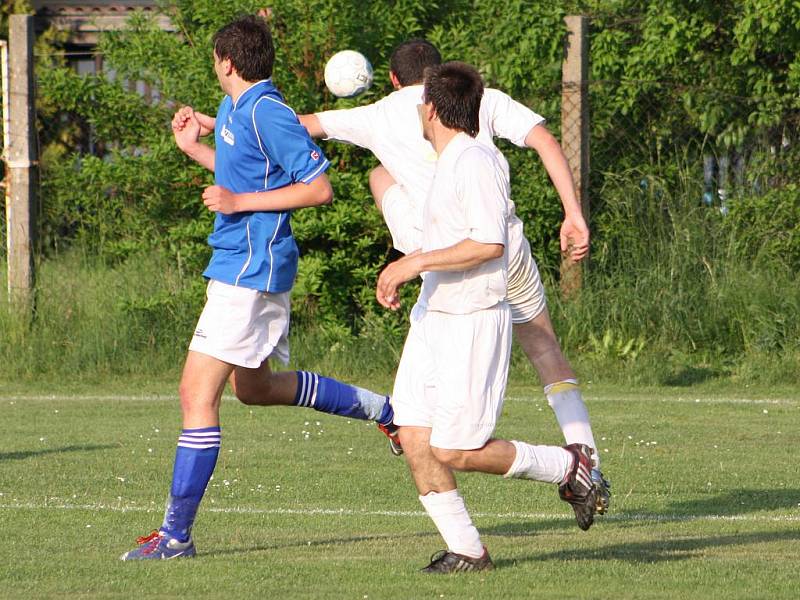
(347, 512)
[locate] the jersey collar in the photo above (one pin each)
(235, 104)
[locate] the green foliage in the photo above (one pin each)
(671, 82)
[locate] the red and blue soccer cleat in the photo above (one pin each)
(157, 546)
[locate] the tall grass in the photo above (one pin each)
(676, 293)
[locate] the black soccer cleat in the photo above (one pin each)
(578, 489)
(391, 431)
(602, 491)
(446, 562)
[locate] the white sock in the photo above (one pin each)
(453, 522)
(564, 397)
(542, 463)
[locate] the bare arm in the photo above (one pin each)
(464, 255)
(574, 231)
(296, 195)
(312, 125)
(187, 127)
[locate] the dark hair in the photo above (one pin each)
(455, 89)
(410, 59)
(247, 42)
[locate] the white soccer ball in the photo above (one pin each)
(348, 73)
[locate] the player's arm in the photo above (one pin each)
(350, 125)
(466, 254)
(521, 126)
(574, 231)
(297, 195)
(312, 125)
(188, 126)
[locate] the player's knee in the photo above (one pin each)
(379, 181)
(253, 395)
(457, 460)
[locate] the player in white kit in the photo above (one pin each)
(390, 128)
(450, 383)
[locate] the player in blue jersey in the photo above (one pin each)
(261, 153)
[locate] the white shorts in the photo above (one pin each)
(452, 375)
(525, 292)
(241, 326)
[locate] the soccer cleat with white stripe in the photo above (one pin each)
(577, 489)
(157, 546)
(446, 562)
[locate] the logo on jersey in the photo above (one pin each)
(314, 155)
(227, 135)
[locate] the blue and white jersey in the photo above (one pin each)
(260, 146)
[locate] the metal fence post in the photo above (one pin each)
(575, 128)
(21, 163)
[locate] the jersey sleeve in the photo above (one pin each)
(350, 125)
(484, 197)
(508, 118)
(284, 141)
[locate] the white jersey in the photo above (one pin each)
(391, 129)
(468, 200)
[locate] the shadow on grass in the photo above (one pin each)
(30, 453)
(688, 376)
(521, 529)
(735, 502)
(355, 539)
(658, 550)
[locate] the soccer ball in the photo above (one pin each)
(348, 73)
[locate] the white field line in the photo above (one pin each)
(346, 512)
(593, 399)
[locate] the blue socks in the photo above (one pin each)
(195, 459)
(336, 398)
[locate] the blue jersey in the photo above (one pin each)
(260, 146)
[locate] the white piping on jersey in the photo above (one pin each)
(258, 138)
(314, 174)
(278, 102)
(248, 89)
(271, 262)
(249, 255)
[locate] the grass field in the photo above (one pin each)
(706, 501)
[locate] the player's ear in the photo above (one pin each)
(395, 81)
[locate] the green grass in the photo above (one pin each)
(706, 501)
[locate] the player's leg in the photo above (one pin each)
(310, 390)
(201, 388)
(534, 332)
(445, 506)
(477, 347)
(379, 181)
(414, 399)
(398, 210)
(255, 384)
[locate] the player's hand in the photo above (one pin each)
(575, 237)
(207, 123)
(393, 277)
(185, 127)
(220, 199)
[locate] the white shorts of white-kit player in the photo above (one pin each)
(452, 375)
(524, 290)
(242, 326)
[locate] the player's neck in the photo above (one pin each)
(236, 86)
(441, 137)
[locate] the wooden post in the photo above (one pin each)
(575, 128)
(21, 163)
